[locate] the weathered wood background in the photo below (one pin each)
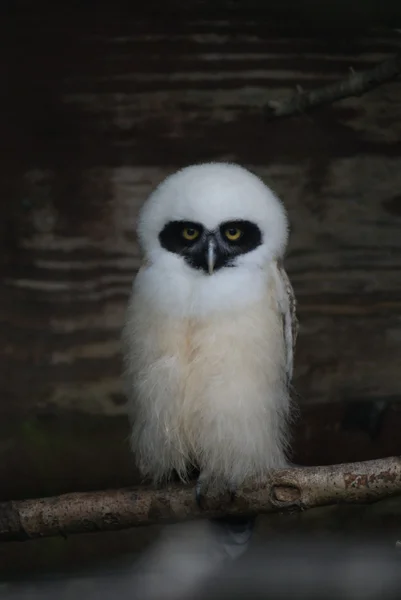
(98, 104)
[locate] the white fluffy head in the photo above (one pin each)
(210, 194)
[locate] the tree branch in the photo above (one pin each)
(296, 488)
(354, 85)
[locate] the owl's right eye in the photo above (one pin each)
(190, 233)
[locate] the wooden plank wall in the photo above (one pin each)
(101, 104)
(98, 105)
(98, 102)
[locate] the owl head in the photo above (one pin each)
(210, 218)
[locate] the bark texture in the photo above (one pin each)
(298, 488)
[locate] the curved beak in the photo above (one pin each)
(211, 255)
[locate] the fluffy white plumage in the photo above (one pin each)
(208, 358)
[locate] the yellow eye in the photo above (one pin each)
(190, 234)
(233, 234)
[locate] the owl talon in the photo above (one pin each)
(198, 493)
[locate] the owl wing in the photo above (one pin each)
(287, 306)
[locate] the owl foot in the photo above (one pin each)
(200, 488)
(203, 484)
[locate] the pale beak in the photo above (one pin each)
(211, 256)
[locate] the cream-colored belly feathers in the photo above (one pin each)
(209, 392)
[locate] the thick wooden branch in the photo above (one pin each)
(354, 85)
(296, 488)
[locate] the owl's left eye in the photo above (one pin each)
(233, 234)
(190, 233)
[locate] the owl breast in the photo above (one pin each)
(208, 391)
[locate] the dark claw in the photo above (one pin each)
(233, 495)
(198, 493)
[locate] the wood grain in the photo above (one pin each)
(98, 108)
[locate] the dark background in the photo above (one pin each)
(98, 103)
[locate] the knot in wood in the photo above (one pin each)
(286, 493)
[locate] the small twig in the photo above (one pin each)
(289, 489)
(354, 85)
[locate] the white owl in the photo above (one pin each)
(211, 329)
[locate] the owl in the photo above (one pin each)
(210, 330)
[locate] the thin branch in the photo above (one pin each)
(296, 488)
(354, 85)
